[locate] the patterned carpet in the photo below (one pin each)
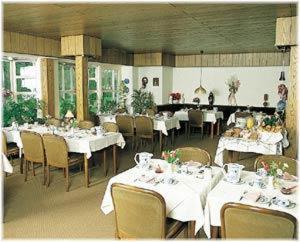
(33, 211)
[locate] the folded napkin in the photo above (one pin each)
(146, 178)
(289, 177)
(192, 163)
(252, 196)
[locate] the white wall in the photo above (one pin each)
(167, 84)
(255, 82)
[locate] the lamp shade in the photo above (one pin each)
(200, 90)
(69, 114)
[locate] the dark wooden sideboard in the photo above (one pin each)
(226, 109)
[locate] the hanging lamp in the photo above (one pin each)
(200, 90)
(282, 74)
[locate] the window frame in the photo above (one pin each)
(62, 93)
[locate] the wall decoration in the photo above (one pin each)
(211, 99)
(176, 96)
(126, 81)
(266, 98)
(233, 84)
(126, 90)
(155, 81)
(144, 82)
(283, 92)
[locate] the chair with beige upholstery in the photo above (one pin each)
(10, 150)
(195, 120)
(126, 126)
(194, 154)
(144, 130)
(86, 124)
(54, 121)
(150, 112)
(242, 114)
(141, 214)
(57, 155)
(121, 110)
(292, 169)
(240, 221)
(33, 148)
(110, 127)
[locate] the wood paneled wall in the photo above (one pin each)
(47, 70)
(115, 56)
(168, 60)
(286, 31)
(29, 44)
(223, 60)
(154, 59)
(80, 45)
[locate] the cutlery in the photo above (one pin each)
(243, 195)
(270, 203)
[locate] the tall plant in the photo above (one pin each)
(65, 105)
(141, 100)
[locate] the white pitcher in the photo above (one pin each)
(144, 158)
(233, 173)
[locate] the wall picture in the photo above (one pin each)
(155, 81)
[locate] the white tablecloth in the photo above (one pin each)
(160, 124)
(225, 192)
(86, 144)
(208, 116)
(6, 166)
(184, 201)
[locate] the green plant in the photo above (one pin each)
(108, 105)
(170, 156)
(65, 105)
(141, 101)
(23, 110)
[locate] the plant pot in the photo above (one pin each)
(232, 99)
(175, 101)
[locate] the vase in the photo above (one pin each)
(231, 99)
(270, 184)
(211, 99)
(175, 101)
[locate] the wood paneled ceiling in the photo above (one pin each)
(168, 27)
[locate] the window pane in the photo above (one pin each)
(22, 69)
(93, 98)
(60, 75)
(107, 79)
(92, 72)
(92, 85)
(25, 85)
(6, 75)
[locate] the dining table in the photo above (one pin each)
(258, 196)
(185, 196)
(209, 116)
(78, 141)
(162, 124)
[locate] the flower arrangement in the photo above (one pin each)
(170, 156)
(175, 96)
(233, 84)
(275, 168)
(74, 123)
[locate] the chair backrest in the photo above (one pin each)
(150, 112)
(33, 146)
(86, 124)
(195, 154)
(249, 222)
(242, 114)
(121, 110)
(139, 213)
(54, 121)
(195, 117)
(143, 125)
(56, 150)
(110, 127)
(292, 169)
(125, 124)
(4, 143)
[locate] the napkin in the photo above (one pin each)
(252, 196)
(289, 177)
(145, 178)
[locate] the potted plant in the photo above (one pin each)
(142, 100)
(233, 84)
(176, 96)
(172, 157)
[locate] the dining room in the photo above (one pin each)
(152, 120)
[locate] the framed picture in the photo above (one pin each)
(155, 81)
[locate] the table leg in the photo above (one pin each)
(211, 130)
(214, 232)
(218, 127)
(172, 139)
(160, 141)
(86, 171)
(191, 229)
(115, 159)
(230, 156)
(185, 128)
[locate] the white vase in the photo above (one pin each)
(175, 101)
(270, 184)
(232, 99)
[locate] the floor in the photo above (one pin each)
(33, 211)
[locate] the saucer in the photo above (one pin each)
(263, 199)
(240, 182)
(261, 185)
(280, 202)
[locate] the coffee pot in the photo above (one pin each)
(233, 173)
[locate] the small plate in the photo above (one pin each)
(263, 199)
(277, 201)
(241, 181)
(262, 185)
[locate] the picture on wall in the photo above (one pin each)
(155, 81)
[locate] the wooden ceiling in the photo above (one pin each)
(168, 27)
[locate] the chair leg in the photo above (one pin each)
(67, 178)
(26, 169)
(104, 163)
(21, 165)
(33, 171)
(64, 169)
(44, 178)
(132, 143)
(48, 175)
(202, 132)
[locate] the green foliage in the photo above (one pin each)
(122, 95)
(108, 105)
(65, 105)
(24, 110)
(141, 101)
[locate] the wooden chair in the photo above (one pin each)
(292, 169)
(141, 214)
(250, 222)
(11, 150)
(195, 121)
(144, 130)
(33, 148)
(121, 110)
(110, 127)
(151, 112)
(126, 127)
(57, 155)
(55, 122)
(86, 124)
(194, 154)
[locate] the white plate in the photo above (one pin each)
(277, 201)
(263, 199)
(241, 181)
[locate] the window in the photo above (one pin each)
(94, 89)
(66, 82)
(20, 77)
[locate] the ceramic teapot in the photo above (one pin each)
(233, 173)
(143, 158)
